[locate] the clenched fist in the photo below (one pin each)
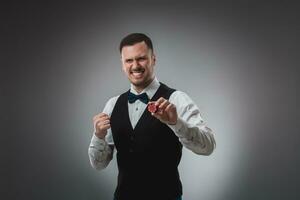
(101, 124)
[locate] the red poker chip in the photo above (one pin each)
(152, 108)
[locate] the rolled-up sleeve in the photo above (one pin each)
(101, 151)
(190, 128)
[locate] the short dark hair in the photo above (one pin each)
(134, 38)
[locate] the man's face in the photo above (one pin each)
(138, 62)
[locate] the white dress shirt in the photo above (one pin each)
(190, 127)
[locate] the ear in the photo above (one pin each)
(123, 68)
(121, 58)
(122, 63)
(154, 58)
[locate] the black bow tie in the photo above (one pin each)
(142, 97)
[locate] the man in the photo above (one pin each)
(148, 144)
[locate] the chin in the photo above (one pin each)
(138, 82)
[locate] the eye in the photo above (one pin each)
(142, 59)
(128, 60)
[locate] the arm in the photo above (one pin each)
(101, 148)
(100, 153)
(190, 127)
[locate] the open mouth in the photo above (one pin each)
(137, 73)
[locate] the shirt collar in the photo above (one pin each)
(150, 89)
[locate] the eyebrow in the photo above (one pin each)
(143, 56)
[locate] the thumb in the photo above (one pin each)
(156, 115)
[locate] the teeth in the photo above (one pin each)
(137, 74)
(137, 71)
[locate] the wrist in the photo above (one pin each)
(100, 135)
(174, 122)
(179, 128)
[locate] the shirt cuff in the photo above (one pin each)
(180, 128)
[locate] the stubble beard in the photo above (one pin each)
(142, 85)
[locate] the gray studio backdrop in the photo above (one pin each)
(237, 61)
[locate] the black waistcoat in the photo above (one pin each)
(148, 155)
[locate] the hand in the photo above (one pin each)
(166, 112)
(101, 124)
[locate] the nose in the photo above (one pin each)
(135, 63)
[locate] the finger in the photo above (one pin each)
(103, 117)
(105, 122)
(106, 117)
(103, 114)
(100, 122)
(159, 101)
(158, 116)
(97, 123)
(96, 117)
(164, 104)
(160, 111)
(97, 120)
(150, 102)
(170, 107)
(99, 114)
(102, 126)
(105, 127)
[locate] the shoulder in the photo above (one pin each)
(177, 97)
(113, 100)
(110, 104)
(180, 96)
(184, 103)
(182, 100)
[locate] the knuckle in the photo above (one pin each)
(97, 126)
(101, 127)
